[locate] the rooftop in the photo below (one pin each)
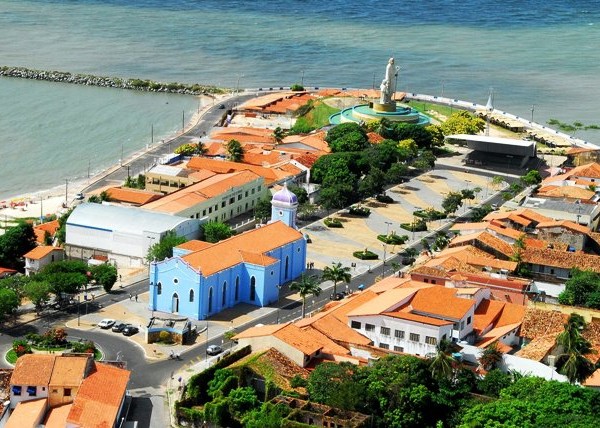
(121, 218)
(33, 369)
(41, 251)
(132, 196)
(229, 252)
(27, 414)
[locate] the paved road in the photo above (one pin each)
(141, 163)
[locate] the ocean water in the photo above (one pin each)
(540, 53)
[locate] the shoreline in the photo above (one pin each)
(48, 202)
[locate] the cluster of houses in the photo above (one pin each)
(69, 390)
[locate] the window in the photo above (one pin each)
(468, 320)
(246, 194)
(426, 280)
(399, 334)
(551, 271)
(223, 204)
(159, 288)
(240, 197)
(272, 273)
(355, 324)
(298, 250)
(369, 327)
(175, 281)
(384, 346)
(210, 299)
(462, 325)
(430, 340)
(67, 392)
(415, 337)
(433, 281)
(191, 295)
(253, 191)
(224, 296)
(237, 288)
(231, 200)
(16, 390)
(32, 391)
(203, 213)
(385, 331)
(258, 189)
(398, 349)
(210, 210)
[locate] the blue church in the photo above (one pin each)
(202, 279)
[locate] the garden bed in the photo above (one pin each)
(430, 214)
(419, 226)
(359, 211)
(393, 239)
(365, 255)
(333, 222)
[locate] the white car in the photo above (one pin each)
(214, 350)
(106, 323)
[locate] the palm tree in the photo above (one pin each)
(490, 356)
(572, 362)
(278, 135)
(336, 273)
(442, 364)
(235, 151)
(201, 149)
(307, 285)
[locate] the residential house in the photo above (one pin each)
(132, 197)
(169, 178)
(66, 391)
(202, 279)
(567, 232)
(41, 256)
(45, 232)
(271, 175)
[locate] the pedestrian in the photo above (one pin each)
(136, 297)
(120, 278)
(93, 296)
(130, 296)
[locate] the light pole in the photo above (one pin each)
(383, 264)
(237, 87)
(206, 350)
(78, 302)
(489, 107)
(532, 110)
(387, 228)
(302, 79)
(443, 89)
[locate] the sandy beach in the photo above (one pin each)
(45, 203)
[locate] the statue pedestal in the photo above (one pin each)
(387, 107)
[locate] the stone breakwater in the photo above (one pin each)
(109, 82)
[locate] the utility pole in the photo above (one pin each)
(183, 121)
(532, 110)
(151, 134)
(66, 192)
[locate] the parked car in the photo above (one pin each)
(118, 327)
(80, 196)
(106, 323)
(130, 330)
(214, 350)
(336, 296)
(221, 106)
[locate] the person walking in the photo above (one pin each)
(136, 297)
(130, 296)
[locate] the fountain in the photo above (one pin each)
(387, 107)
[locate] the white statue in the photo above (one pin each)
(388, 84)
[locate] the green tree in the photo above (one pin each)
(105, 275)
(334, 384)
(437, 135)
(215, 231)
(452, 202)
(347, 137)
(61, 233)
(235, 151)
(305, 286)
(16, 283)
(497, 181)
(300, 193)
(164, 248)
(336, 167)
(491, 356)
(200, 149)
(572, 362)
(14, 243)
(441, 365)
(65, 282)
(372, 184)
(579, 287)
(463, 122)
(242, 401)
(336, 196)
(278, 135)
(38, 292)
(186, 149)
(9, 302)
(262, 209)
(494, 382)
(532, 178)
(396, 173)
(478, 213)
(269, 415)
(573, 128)
(410, 131)
(336, 273)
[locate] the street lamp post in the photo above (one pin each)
(532, 110)
(78, 302)
(66, 192)
(387, 229)
(206, 350)
(278, 297)
(383, 264)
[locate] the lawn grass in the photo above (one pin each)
(316, 117)
(423, 107)
(11, 356)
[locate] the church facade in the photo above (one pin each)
(202, 279)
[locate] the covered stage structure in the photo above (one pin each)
(506, 152)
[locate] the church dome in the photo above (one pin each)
(285, 196)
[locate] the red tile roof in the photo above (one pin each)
(99, 398)
(132, 196)
(33, 369)
(41, 229)
(565, 224)
(225, 254)
(561, 259)
(40, 252)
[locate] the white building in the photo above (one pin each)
(413, 320)
(123, 234)
(41, 256)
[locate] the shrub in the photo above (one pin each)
(419, 226)
(365, 255)
(384, 199)
(430, 214)
(333, 222)
(393, 239)
(298, 382)
(87, 347)
(360, 211)
(296, 87)
(21, 347)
